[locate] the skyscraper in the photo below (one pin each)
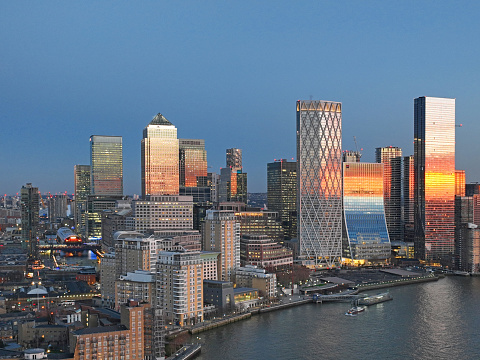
(282, 194)
(365, 236)
(57, 207)
(408, 197)
(160, 165)
(193, 163)
(434, 161)
(391, 158)
(234, 158)
(319, 181)
(82, 190)
(30, 211)
(233, 181)
(106, 165)
(460, 182)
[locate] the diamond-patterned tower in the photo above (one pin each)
(319, 182)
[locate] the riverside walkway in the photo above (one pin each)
(188, 351)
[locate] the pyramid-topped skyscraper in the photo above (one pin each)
(160, 173)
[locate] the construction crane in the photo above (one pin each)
(41, 200)
(356, 145)
(358, 153)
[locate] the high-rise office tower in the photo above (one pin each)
(460, 183)
(234, 158)
(161, 213)
(160, 165)
(282, 194)
(408, 197)
(194, 179)
(30, 216)
(106, 165)
(365, 233)
(193, 163)
(82, 190)
(319, 181)
(391, 158)
(233, 181)
(434, 161)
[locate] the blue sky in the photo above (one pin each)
(226, 72)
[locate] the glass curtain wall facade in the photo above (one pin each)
(319, 182)
(408, 197)
(434, 152)
(460, 182)
(282, 194)
(193, 163)
(391, 158)
(82, 190)
(233, 185)
(365, 234)
(160, 165)
(234, 158)
(106, 165)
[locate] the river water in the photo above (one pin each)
(434, 320)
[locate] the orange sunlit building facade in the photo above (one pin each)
(365, 236)
(434, 161)
(193, 162)
(160, 168)
(460, 182)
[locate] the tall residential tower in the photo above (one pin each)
(391, 158)
(30, 211)
(434, 162)
(319, 181)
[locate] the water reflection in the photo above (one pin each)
(433, 320)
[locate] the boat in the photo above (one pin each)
(375, 299)
(355, 310)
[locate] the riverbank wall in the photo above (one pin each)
(214, 324)
(399, 282)
(366, 287)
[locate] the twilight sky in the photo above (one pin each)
(227, 72)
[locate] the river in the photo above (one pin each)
(434, 320)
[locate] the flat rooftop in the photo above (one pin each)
(402, 273)
(336, 280)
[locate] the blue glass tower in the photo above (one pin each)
(365, 235)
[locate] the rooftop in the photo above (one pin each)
(159, 119)
(100, 329)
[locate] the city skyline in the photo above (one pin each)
(105, 69)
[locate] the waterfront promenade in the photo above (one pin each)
(296, 300)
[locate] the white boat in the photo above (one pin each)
(355, 310)
(375, 299)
